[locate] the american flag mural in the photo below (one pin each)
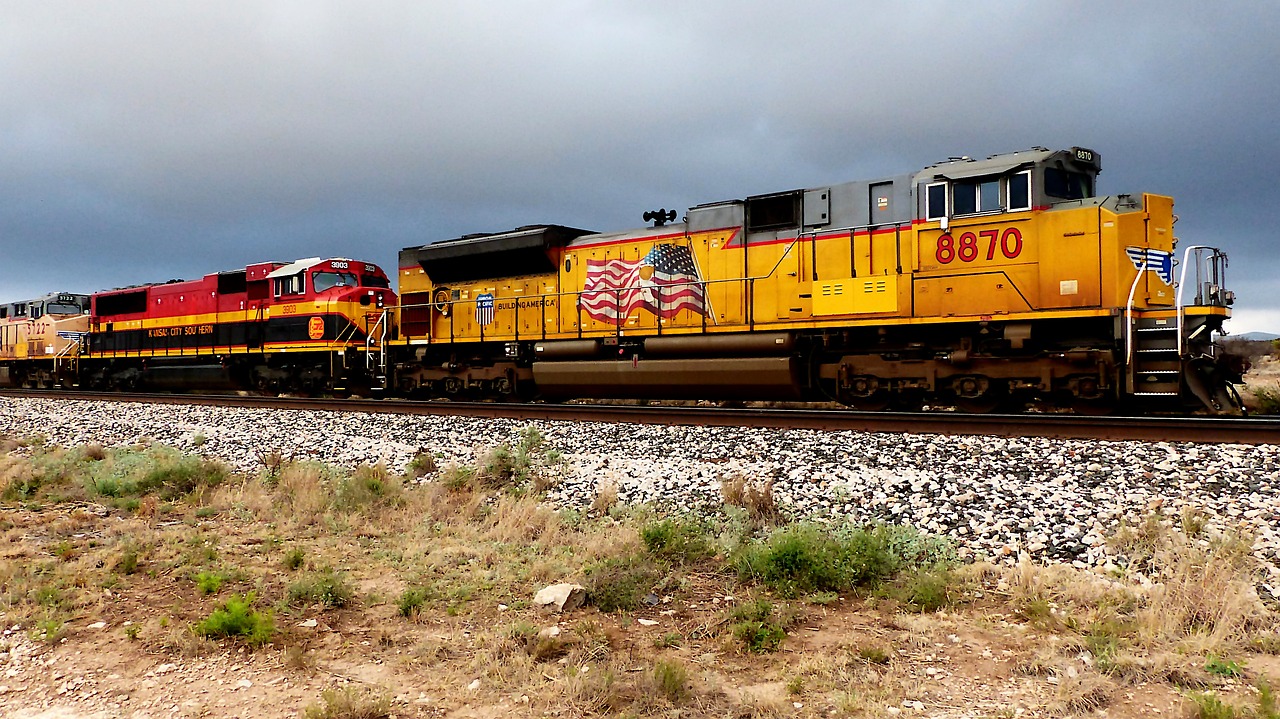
(664, 282)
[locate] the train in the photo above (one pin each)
(992, 284)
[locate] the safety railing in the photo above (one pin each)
(1210, 267)
(378, 329)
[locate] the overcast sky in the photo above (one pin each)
(143, 141)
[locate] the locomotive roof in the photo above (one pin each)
(959, 168)
(294, 268)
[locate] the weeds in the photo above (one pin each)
(325, 588)
(618, 583)
(1207, 705)
(755, 626)
(683, 540)
(237, 619)
(210, 582)
(754, 497)
(1267, 400)
(806, 558)
(671, 679)
(411, 601)
(347, 703)
(294, 559)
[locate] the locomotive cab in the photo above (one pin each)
(1012, 182)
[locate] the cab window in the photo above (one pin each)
(322, 281)
(59, 308)
(291, 285)
(935, 201)
(976, 196)
(1020, 191)
(374, 281)
(1067, 185)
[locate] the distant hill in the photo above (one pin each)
(1256, 336)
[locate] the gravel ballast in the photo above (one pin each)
(1053, 500)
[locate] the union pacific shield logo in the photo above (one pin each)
(1157, 261)
(484, 309)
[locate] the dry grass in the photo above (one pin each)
(470, 549)
(606, 497)
(755, 497)
(1083, 692)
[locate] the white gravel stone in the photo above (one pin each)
(1055, 500)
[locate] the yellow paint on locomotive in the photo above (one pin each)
(1066, 261)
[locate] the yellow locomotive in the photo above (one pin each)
(41, 339)
(983, 284)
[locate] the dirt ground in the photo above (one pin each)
(848, 657)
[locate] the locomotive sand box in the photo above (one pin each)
(984, 284)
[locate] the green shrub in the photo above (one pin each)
(326, 587)
(927, 589)
(237, 618)
(618, 583)
(756, 627)
(175, 477)
(1268, 399)
(1225, 668)
(1209, 706)
(682, 540)
(671, 679)
(127, 563)
(210, 582)
(422, 464)
(294, 559)
(369, 486)
(49, 631)
(807, 558)
(874, 654)
(412, 600)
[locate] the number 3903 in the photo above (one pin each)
(969, 246)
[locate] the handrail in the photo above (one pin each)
(1128, 316)
(368, 344)
(1182, 281)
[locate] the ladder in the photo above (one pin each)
(375, 349)
(1155, 366)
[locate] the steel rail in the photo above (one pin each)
(1203, 430)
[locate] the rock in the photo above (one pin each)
(98, 625)
(549, 633)
(474, 685)
(309, 623)
(561, 597)
(646, 622)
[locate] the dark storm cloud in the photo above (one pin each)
(141, 141)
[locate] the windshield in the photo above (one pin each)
(374, 281)
(322, 281)
(61, 309)
(1067, 185)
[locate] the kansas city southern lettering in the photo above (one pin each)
(186, 331)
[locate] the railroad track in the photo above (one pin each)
(1206, 430)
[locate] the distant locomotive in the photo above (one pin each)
(980, 284)
(297, 327)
